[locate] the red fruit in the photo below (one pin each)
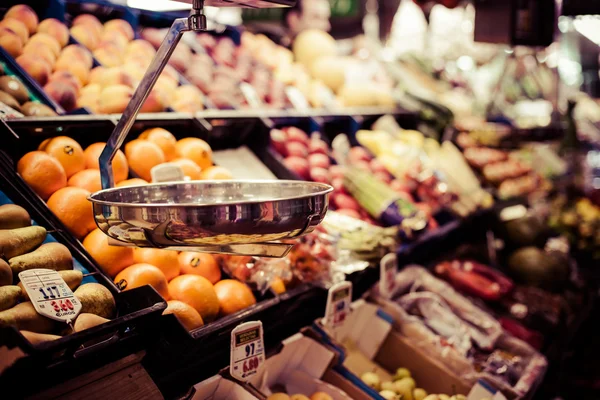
(349, 212)
(278, 141)
(337, 171)
(377, 166)
(296, 135)
(383, 176)
(358, 153)
(342, 200)
(319, 175)
(298, 165)
(318, 161)
(362, 165)
(296, 149)
(400, 186)
(318, 146)
(338, 184)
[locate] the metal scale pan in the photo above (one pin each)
(233, 217)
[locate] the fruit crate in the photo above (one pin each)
(55, 361)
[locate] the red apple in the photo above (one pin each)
(377, 166)
(296, 135)
(383, 176)
(342, 200)
(337, 171)
(338, 184)
(358, 153)
(362, 165)
(319, 175)
(278, 141)
(296, 149)
(319, 160)
(298, 165)
(318, 146)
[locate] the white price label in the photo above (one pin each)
(247, 354)
(388, 268)
(250, 94)
(167, 172)
(337, 309)
(50, 295)
(297, 98)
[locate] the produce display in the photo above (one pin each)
(17, 100)
(403, 386)
(25, 247)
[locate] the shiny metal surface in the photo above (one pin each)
(211, 213)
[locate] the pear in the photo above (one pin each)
(86, 321)
(405, 387)
(320, 396)
(72, 278)
(96, 299)
(24, 317)
(371, 379)
(13, 216)
(419, 394)
(14, 242)
(443, 397)
(389, 395)
(38, 338)
(401, 373)
(53, 255)
(299, 397)
(278, 396)
(388, 385)
(9, 296)
(6, 275)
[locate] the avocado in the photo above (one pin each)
(533, 266)
(524, 231)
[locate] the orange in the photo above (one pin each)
(163, 139)
(119, 164)
(112, 259)
(142, 156)
(67, 151)
(186, 314)
(188, 167)
(73, 209)
(88, 179)
(215, 173)
(131, 182)
(198, 292)
(165, 260)
(202, 264)
(196, 150)
(42, 172)
(233, 296)
(138, 275)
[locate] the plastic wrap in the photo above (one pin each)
(449, 328)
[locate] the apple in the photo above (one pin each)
(278, 141)
(296, 135)
(383, 176)
(318, 146)
(371, 379)
(296, 149)
(320, 175)
(298, 165)
(342, 200)
(318, 160)
(377, 166)
(358, 153)
(364, 165)
(338, 184)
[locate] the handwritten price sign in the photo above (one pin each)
(247, 350)
(50, 295)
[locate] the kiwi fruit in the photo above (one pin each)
(9, 101)
(15, 88)
(34, 109)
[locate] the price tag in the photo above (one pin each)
(247, 354)
(50, 295)
(338, 304)
(388, 268)
(297, 98)
(167, 172)
(250, 95)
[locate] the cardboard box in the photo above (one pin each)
(368, 344)
(303, 366)
(220, 388)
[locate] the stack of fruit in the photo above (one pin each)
(402, 387)
(16, 96)
(123, 61)
(23, 248)
(314, 396)
(64, 174)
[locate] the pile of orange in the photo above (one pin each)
(62, 173)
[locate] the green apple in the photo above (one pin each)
(419, 394)
(389, 395)
(371, 379)
(402, 373)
